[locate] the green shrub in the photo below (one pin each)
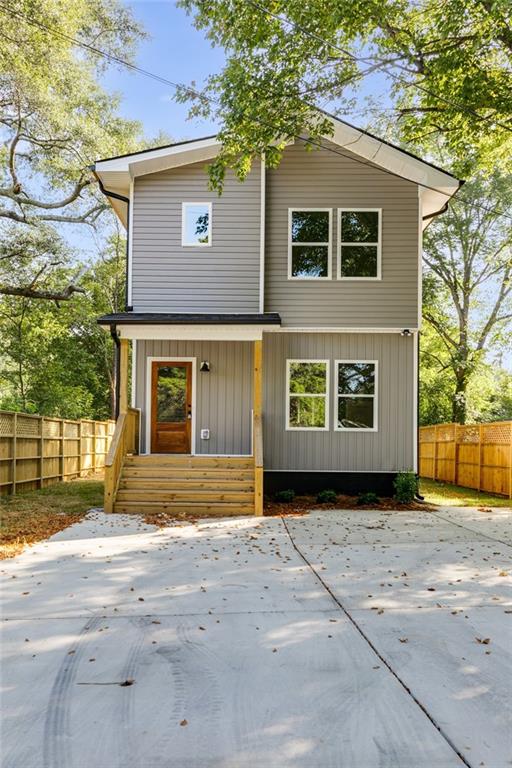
(328, 496)
(367, 498)
(287, 495)
(406, 487)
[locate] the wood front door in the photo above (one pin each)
(171, 407)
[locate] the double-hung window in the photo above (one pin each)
(356, 395)
(359, 243)
(307, 401)
(309, 243)
(196, 224)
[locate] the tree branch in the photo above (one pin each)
(28, 292)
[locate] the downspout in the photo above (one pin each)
(418, 494)
(115, 337)
(117, 196)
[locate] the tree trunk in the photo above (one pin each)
(459, 398)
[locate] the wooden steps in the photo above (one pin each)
(195, 485)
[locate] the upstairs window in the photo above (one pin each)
(309, 244)
(359, 244)
(356, 395)
(196, 224)
(307, 404)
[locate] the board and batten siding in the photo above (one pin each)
(389, 449)
(167, 277)
(223, 396)
(324, 179)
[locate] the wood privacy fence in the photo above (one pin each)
(472, 455)
(36, 451)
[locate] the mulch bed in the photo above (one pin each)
(301, 505)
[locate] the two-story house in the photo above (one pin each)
(274, 328)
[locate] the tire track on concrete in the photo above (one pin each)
(57, 737)
(381, 658)
(127, 745)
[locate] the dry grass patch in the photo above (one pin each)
(36, 515)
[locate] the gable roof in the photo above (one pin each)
(436, 186)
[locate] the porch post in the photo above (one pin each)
(257, 427)
(123, 376)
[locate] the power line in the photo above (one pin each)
(398, 78)
(202, 95)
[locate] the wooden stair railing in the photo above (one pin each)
(125, 440)
(257, 450)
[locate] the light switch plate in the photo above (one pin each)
(205, 434)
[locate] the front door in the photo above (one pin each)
(171, 407)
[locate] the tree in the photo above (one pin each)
(57, 360)
(467, 297)
(56, 120)
(448, 66)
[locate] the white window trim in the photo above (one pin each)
(375, 398)
(326, 396)
(339, 243)
(328, 244)
(149, 367)
(184, 207)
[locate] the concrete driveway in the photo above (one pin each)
(354, 639)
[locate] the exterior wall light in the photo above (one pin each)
(406, 332)
(205, 366)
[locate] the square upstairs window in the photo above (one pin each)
(309, 244)
(356, 396)
(196, 224)
(359, 244)
(307, 395)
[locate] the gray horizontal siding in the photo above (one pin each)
(391, 448)
(321, 179)
(167, 277)
(224, 395)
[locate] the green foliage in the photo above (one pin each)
(448, 67)
(58, 361)
(406, 486)
(467, 302)
(327, 496)
(367, 498)
(56, 118)
(285, 495)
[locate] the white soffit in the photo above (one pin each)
(252, 332)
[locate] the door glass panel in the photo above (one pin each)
(171, 393)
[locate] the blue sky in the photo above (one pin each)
(175, 50)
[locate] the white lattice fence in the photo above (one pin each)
(36, 451)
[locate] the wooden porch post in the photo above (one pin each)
(123, 377)
(257, 427)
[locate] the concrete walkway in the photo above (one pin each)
(354, 639)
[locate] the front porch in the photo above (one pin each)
(165, 456)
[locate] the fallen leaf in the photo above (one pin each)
(484, 641)
(184, 722)
(404, 639)
(127, 682)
